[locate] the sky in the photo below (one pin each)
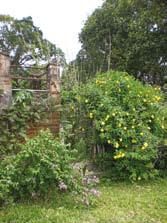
(60, 20)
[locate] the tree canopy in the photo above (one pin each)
(25, 43)
(127, 35)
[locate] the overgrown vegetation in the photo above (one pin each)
(125, 118)
(42, 164)
(24, 111)
(25, 43)
(111, 119)
(126, 36)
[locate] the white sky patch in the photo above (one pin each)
(60, 20)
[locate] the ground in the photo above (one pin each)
(120, 202)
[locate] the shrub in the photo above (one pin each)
(123, 117)
(42, 163)
(24, 111)
(14, 121)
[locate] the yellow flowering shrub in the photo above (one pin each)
(124, 117)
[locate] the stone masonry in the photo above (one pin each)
(5, 81)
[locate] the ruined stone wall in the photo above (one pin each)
(53, 73)
(53, 120)
(5, 81)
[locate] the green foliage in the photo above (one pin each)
(16, 119)
(123, 117)
(42, 163)
(24, 42)
(128, 36)
(41, 167)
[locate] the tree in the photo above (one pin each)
(24, 42)
(127, 35)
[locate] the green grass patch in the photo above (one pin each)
(120, 202)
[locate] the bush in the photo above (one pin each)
(42, 163)
(125, 118)
(15, 120)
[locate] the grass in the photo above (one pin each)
(120, 202)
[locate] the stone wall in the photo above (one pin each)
(5, 81)
(53, 75)
(52, 123)
(53, 118)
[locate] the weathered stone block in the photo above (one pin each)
(5, 81)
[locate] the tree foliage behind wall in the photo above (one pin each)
(126, 35)
(25, 43)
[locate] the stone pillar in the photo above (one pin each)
(54, 81)
(54, 92)
(5, 81)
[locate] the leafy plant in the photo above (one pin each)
(42, 163)
(15, 120)
(120, 116)
(25, 43)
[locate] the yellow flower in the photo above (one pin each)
(157, 98)
(91, 115)
(148, 128)
(107, 117)
(109, 141)
(120, 139)
(119, 125)
(115, 157)
(144, 100)
(86, 101)
(133, 127)
(102, 130)
(125, 128)
(128, 86)
(122, 155)
(134, 109)
(134, 141)
(162, 126)
(141, 133)
(152, 116)
(113, 114)
(116, 145)
(119, 155)
(103, 123)
(146, 144)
